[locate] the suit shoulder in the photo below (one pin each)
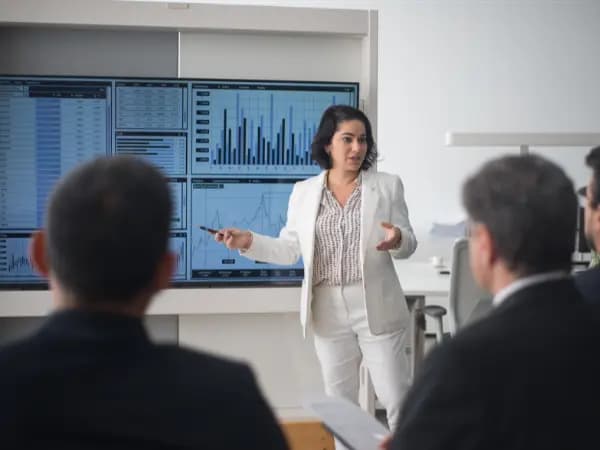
(588, 275)
(309, 182)
(209, 365)
(23, 349)
(192, 357)
(385, 178)
(198, 375)
(471, 341)
(588, 283)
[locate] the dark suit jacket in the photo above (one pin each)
(588, 282)
(94, 380)
(526, 377)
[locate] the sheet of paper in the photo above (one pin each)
(354, 427)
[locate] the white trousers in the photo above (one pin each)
(342, 340)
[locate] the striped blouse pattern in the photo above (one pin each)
(337, 240)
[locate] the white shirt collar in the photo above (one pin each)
(524, 282)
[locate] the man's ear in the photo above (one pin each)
(486, 247)
(38, 254)
(490, 245)
(165, 270)
(595, 223)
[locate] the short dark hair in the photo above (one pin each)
(108, 228)
(529, 206)
(593, 161)
(330, 121)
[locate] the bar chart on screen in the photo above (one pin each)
(258, 129)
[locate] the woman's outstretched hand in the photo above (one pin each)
(392, 239)
(234, 239)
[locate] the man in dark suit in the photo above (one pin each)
(91, 378)
(526, 376)
(588, 281)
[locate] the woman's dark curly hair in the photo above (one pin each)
(330, 121)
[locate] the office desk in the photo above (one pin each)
(421, 278)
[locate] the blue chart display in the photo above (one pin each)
(231, 151)
(14, 257)
(259, 128)
(178, 245)
(178, 188)
(167, 150)
(256, 204)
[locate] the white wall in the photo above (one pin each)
(68, 51)
(480, 66)
(270, 57)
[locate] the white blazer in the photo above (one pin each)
(382, 200)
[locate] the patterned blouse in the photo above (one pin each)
(337, 240)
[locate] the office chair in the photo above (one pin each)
(468, 302)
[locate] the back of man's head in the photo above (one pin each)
(529, 206)
(107, 230)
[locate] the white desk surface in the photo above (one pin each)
(421, 278)
(416, 279)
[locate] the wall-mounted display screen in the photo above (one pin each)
(231, 149)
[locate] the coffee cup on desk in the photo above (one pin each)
(437, 261)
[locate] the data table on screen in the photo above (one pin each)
(151, 105)
(46, 129)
